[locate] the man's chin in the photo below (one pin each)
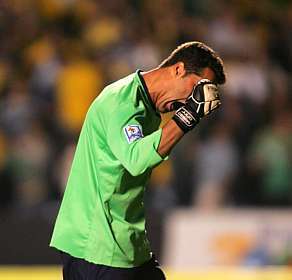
(171, 106)
(175, 105)
(165, 108)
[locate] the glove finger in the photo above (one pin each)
(210, 92)
(211, 106)
(215, 104)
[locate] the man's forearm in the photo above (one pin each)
(171, 134)
(203, 100)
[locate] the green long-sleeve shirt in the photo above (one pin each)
(101, 218)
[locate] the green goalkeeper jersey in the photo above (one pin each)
(101, 218)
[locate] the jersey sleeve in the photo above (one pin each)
(125, 139)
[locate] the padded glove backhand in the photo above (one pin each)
(201, 102)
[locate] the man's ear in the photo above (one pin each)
(179, 69)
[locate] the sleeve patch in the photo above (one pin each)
(133, 132)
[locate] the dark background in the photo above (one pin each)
(56, 56)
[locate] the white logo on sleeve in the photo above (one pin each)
(133, 132)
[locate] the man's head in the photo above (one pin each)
(197, 56)
(185, 66)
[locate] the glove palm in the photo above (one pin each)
(201, 102)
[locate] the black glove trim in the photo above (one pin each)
(185, 119)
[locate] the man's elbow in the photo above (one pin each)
(136, 170)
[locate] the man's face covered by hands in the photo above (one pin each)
(183, 86)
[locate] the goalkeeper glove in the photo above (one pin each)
(201, 102)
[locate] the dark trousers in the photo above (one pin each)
(79, 269)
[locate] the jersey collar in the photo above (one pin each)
(145, 89)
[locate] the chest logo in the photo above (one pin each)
(133, 132)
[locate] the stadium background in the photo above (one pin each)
(56, 56)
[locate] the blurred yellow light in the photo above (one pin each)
(55, 273)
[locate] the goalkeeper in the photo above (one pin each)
(100, 228)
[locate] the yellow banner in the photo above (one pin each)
(54, 273)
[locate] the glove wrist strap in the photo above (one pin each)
(185, 119)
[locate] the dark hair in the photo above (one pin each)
(196, 56)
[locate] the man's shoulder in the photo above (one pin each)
(121, 84)
(117, 95)
(121, 91)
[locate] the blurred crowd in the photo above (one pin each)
(57, 55)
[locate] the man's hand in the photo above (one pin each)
(202, 101)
